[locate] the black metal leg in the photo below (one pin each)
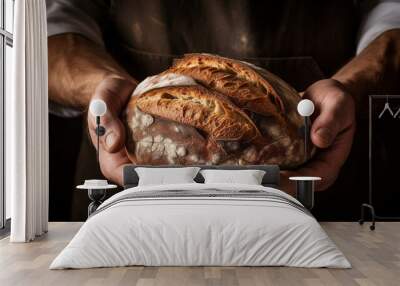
(305, 193)
(96, 196)
(373, 217)
(93, 207)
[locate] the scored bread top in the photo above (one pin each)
(199, 107)
(243, 93)
(232, 77)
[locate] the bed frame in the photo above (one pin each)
(271, 177)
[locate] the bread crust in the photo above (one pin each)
(238, 70)
(200, 108)
(243, 93)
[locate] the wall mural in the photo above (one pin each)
(206, 109)
(219, 84)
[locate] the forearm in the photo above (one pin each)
(375, 70)
(76, 67)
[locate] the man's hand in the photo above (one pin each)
(115, 92)
(79, 71)
(374, 71)
(332, 131)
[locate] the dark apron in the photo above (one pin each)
(146, 35)
(301, 41)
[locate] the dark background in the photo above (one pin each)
(385, 157)
(64, 140)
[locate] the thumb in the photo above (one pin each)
(114, 136)
(115, 93)
(334, 111)
(324, 131)
(327, 124)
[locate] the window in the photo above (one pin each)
(6, 62)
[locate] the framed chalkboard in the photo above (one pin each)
(384, 157)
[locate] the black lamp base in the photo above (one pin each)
(305, 193)
(96, 196)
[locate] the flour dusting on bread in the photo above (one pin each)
(158, 81)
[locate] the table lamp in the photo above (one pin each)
(305, 184)
(98, 108)
(306, 108)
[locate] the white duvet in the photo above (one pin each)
(183, 231)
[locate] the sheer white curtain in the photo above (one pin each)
(27, 124)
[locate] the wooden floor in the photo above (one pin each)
(375, 257)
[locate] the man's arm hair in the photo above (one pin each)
(375, 70)
(76, 66)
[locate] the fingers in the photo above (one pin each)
(115, 92)
(114, 137)
(324, 129)
(112, 164)
(334, 111)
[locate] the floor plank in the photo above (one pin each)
(375, 257)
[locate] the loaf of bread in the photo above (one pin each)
(201, 108)
(208, 109)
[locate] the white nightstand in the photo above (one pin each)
(96, 192)
(305, 190)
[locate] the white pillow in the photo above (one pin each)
(163, 176)
(248, 177)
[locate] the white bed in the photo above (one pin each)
(222, 225)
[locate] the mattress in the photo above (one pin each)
(201, 225)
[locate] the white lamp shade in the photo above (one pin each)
(98, 107)
(305, 107)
